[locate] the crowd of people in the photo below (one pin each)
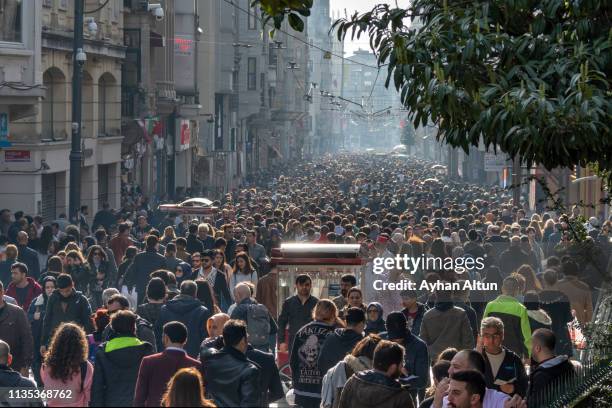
(137, 307)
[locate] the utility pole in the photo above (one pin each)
(78, 59)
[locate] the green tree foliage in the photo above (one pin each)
(529, 77)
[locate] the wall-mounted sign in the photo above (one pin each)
(17, 156)
(4, 130)
(184, 134)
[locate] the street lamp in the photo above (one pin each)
(76, 155)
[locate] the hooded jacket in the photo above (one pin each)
(38, 305)
(375, 326)
(517, 333)
(192, 314)
(369, 389)
(539, 319)
(77, 310)
(144, 332)
(548, 371)
(33, 290)
(116, 371)
(336, 346)
(336, 377)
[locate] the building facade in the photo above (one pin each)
(38, 161)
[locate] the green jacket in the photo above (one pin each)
(517, 331)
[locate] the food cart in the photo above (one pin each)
(202, 208)
(325, 264)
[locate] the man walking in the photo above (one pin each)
(379, 387)
(187, 309)
(296, 311)
(231, 379)
(23, 288)
(65, 305)
(260, 325)
(157, 369)
(144, 263)
(16, 333)
(504, 370)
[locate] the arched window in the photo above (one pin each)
(108, 105)
(54, 105)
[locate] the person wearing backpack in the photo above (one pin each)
(66, 368)
(260, 324)
(187, 309)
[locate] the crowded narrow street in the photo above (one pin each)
(305, 203)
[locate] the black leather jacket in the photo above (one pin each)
(231, 379)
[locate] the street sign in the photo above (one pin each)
(17, 156)
(4, 130)
(495, 162)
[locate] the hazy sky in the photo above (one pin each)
(361, 6)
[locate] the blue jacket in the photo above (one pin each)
(192, 314)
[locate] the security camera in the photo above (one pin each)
(92, 26)
(157, 11)
(44, 165)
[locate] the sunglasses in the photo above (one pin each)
(97, 254)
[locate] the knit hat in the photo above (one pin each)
(396, 325)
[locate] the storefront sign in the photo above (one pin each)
(184, 134)
(17, 156)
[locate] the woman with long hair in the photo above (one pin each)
(186, 389)
(548, 230)
(79, 270)
(206, 296)
(220, 263)
(36, 316)
(307, 343)
(66, 367)
(169, 236)
(128, 257)
(243, 271)
(101, 276)
(532, 284)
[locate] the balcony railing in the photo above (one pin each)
(165, 90)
